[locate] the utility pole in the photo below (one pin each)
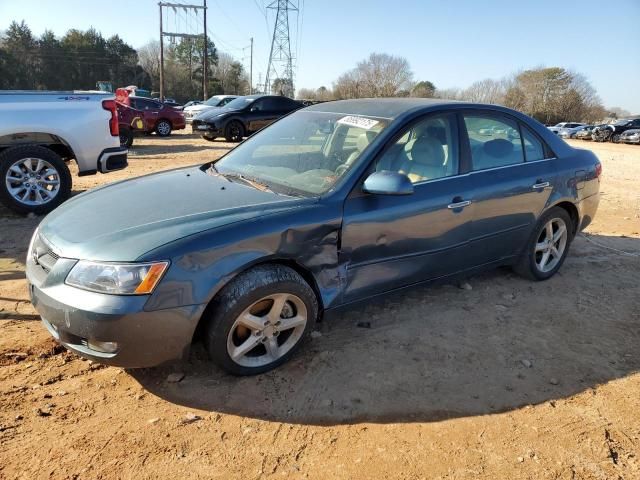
(280, 59)
(205, 79)
(174, 35)
(251, 70)
(161, 57)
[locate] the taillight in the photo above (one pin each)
(110, 105)
(598, 169)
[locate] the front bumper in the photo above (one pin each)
(80, 320)
(207, 129)
(635, 140)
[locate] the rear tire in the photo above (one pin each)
(163, 128)
(33, 179)
(541, 246)
(282, 310)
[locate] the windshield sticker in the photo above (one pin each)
(361, 122)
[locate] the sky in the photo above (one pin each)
(452, 44)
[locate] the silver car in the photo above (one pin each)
(216, 101)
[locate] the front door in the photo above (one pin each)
(388, 241)
(262, 112)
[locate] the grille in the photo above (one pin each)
(42, 254)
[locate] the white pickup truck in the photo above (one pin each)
(39, 131)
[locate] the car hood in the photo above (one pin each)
(633, 131)
(123, 221)
(212, 113)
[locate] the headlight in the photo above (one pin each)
(116, 279)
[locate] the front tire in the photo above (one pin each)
(260, 319)
(234, 132)
(33, 179)
(126, 137)
(163, 128)
(547, 246)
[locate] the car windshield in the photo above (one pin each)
(239, 103)
(305, 153)
(213, 101)
(621, 123)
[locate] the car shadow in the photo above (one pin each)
(433, 353)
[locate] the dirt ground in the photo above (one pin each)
(507, 380)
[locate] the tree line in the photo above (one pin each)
(79, 59)
(549, 94)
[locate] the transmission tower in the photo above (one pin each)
(280, 59)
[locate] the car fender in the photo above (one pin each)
(305, 237)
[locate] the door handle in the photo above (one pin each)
(453, 206)
(540, 184)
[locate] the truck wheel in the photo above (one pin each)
(234, 131)
(163, 128)
(33, 179)
(260, 319)
(126, 137)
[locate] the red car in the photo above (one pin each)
(156, 117)
(129, 122)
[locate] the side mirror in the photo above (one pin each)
(388, 183)
(253, 109)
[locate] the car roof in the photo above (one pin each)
(389, 108)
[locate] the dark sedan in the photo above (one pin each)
(243, 116)
(331, 205)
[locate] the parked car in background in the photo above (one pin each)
(334, 204)
(559, 126)
(613, 131)
(40, 130)
(572, 132)
(217, 101)
(192, 103)
(584, 133)
(130, 122)
(630, 136)
(243, 116)
(171, 103)
(157, 117)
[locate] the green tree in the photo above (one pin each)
(425, 89)
(20, 52)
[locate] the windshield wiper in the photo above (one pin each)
(249, 181)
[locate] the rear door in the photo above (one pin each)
(512, 178)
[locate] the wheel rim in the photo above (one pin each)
(551, 244)
(32, 181)
(164, 128)
(267, 330)
(236, 134)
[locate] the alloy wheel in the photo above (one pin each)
(164, 128)
(551, 244)
(267, 330)
(32, 181)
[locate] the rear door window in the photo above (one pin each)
(533, 148)
(494, 140)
